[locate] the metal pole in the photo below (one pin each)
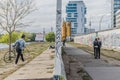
(59, 66)
(112, 13)
(100, 22)
(90, 25)
(58, 41)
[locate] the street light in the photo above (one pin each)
(101, 20)
(112, 13)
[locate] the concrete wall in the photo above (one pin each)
(110, 38)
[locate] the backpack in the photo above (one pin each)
(18, 45)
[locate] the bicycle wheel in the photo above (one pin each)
(26, 53)
(9, 58)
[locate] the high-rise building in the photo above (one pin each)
(116, 7)
(117, 14)
(76, 11)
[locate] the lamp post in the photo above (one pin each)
(102, 19)
(100, 22)
(112, 13)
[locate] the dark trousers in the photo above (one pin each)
(99, 52)
(96, 53)
(63, 43)
(19, 53)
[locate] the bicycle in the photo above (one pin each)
(10, 56)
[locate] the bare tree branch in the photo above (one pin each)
(13, 11)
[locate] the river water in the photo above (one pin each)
(3, 46)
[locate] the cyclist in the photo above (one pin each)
(20, 45)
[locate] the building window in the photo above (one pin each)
(71, 10)
(69, 4)
(75, 25)
(71, 19)
(74, 30)
(85, 11)
(81, 9)
(72, 4)
(85, 20)
(68, 14)
(75, 15)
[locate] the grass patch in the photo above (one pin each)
(51, 67)
(84, 74)
(50, 71)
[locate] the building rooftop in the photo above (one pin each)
(77, 1)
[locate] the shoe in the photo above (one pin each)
(24, 62)
(15, 65)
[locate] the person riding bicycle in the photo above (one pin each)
(19, 45)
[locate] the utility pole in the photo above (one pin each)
(112, 13)
(90, 26)
(59, 66)
(100, 22)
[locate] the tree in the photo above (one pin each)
(32, 37)
(50, 37)
(11, 14)
(5, 38)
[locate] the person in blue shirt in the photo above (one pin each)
(20, 45)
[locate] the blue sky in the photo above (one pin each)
(45, 15)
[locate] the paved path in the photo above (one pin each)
(40, 68)
(98, 69)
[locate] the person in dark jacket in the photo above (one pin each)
(99, 47)
(95, 45)
(20, 48)
(64, 42)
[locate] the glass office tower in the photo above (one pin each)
(76, 11)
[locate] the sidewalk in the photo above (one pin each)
(98, 69)
(40, 68)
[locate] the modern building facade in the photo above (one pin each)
(76, 11)
(117, 14)
(116, 7)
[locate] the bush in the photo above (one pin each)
(50, 37)
(5, 37)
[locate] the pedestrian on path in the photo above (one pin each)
(99, 47)
(64, 42)
(95, 46)
(20, 45)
